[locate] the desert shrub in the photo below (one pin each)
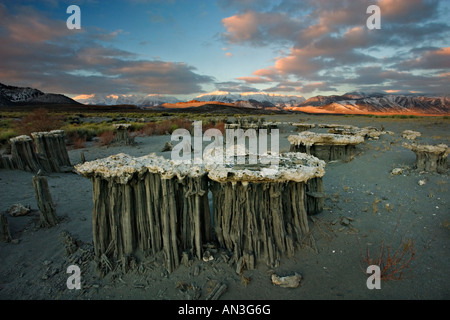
(394, 257)
(6, 134)
(86, 130)
(79, 142)
(106, 137)
(39, 120)
(213, 125)
(164, 127)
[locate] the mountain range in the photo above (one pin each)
(349, 103)
(13, 96)
(376, 103)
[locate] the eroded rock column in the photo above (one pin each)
(430, 158)
(147, 205)
(261, 213)
(325, 146)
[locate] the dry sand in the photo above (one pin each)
(363, 191)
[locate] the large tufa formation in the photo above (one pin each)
(42, 151)
(325, 146)
(151, 204)
(148, 204)
(261, 213)
(430, 158)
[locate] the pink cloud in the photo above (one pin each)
(31, 26)
(253, 79)
(241, 27)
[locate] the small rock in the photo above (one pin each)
(422, 182)
(167, 147)
(17, 210)
(207, 256)
(397, 171)
(410, 134)
(345, 221)
(15, 241)
(196, 271)
(288, 281)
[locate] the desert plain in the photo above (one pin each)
(366, 207)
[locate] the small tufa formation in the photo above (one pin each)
(51, 150)
(410, 134)
(430, 158)
(45, 203)
(5, 235)
(366, 132)
(122, 135)
(250, 123)
(23, 154)
(303, 126)
(44, 151)
(325, 146)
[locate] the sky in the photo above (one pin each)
(185, 48)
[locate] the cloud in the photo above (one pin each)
(40, 52)
(329, 41)
(252, 79)
(259, 28)
(432, 59)
(234, 86)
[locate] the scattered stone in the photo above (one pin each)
(17, 210)
(345, 221)
(47, 262)
(218, 290)
(167, 147)
(207, 256)
(196, 271)
(397, 171)
(288, 281)
(422, 182)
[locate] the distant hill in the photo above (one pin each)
(376, 103)
(19, 96)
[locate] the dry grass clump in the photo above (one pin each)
(393, 258)
(39, 120)
(106, 138)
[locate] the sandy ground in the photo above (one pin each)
(375, 203)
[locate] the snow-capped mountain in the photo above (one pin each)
(349, 103)
(141, 101)
(358, 102)
(10, 96)
(253, 99)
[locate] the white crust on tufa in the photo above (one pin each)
(293, 166)
(309, 138)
